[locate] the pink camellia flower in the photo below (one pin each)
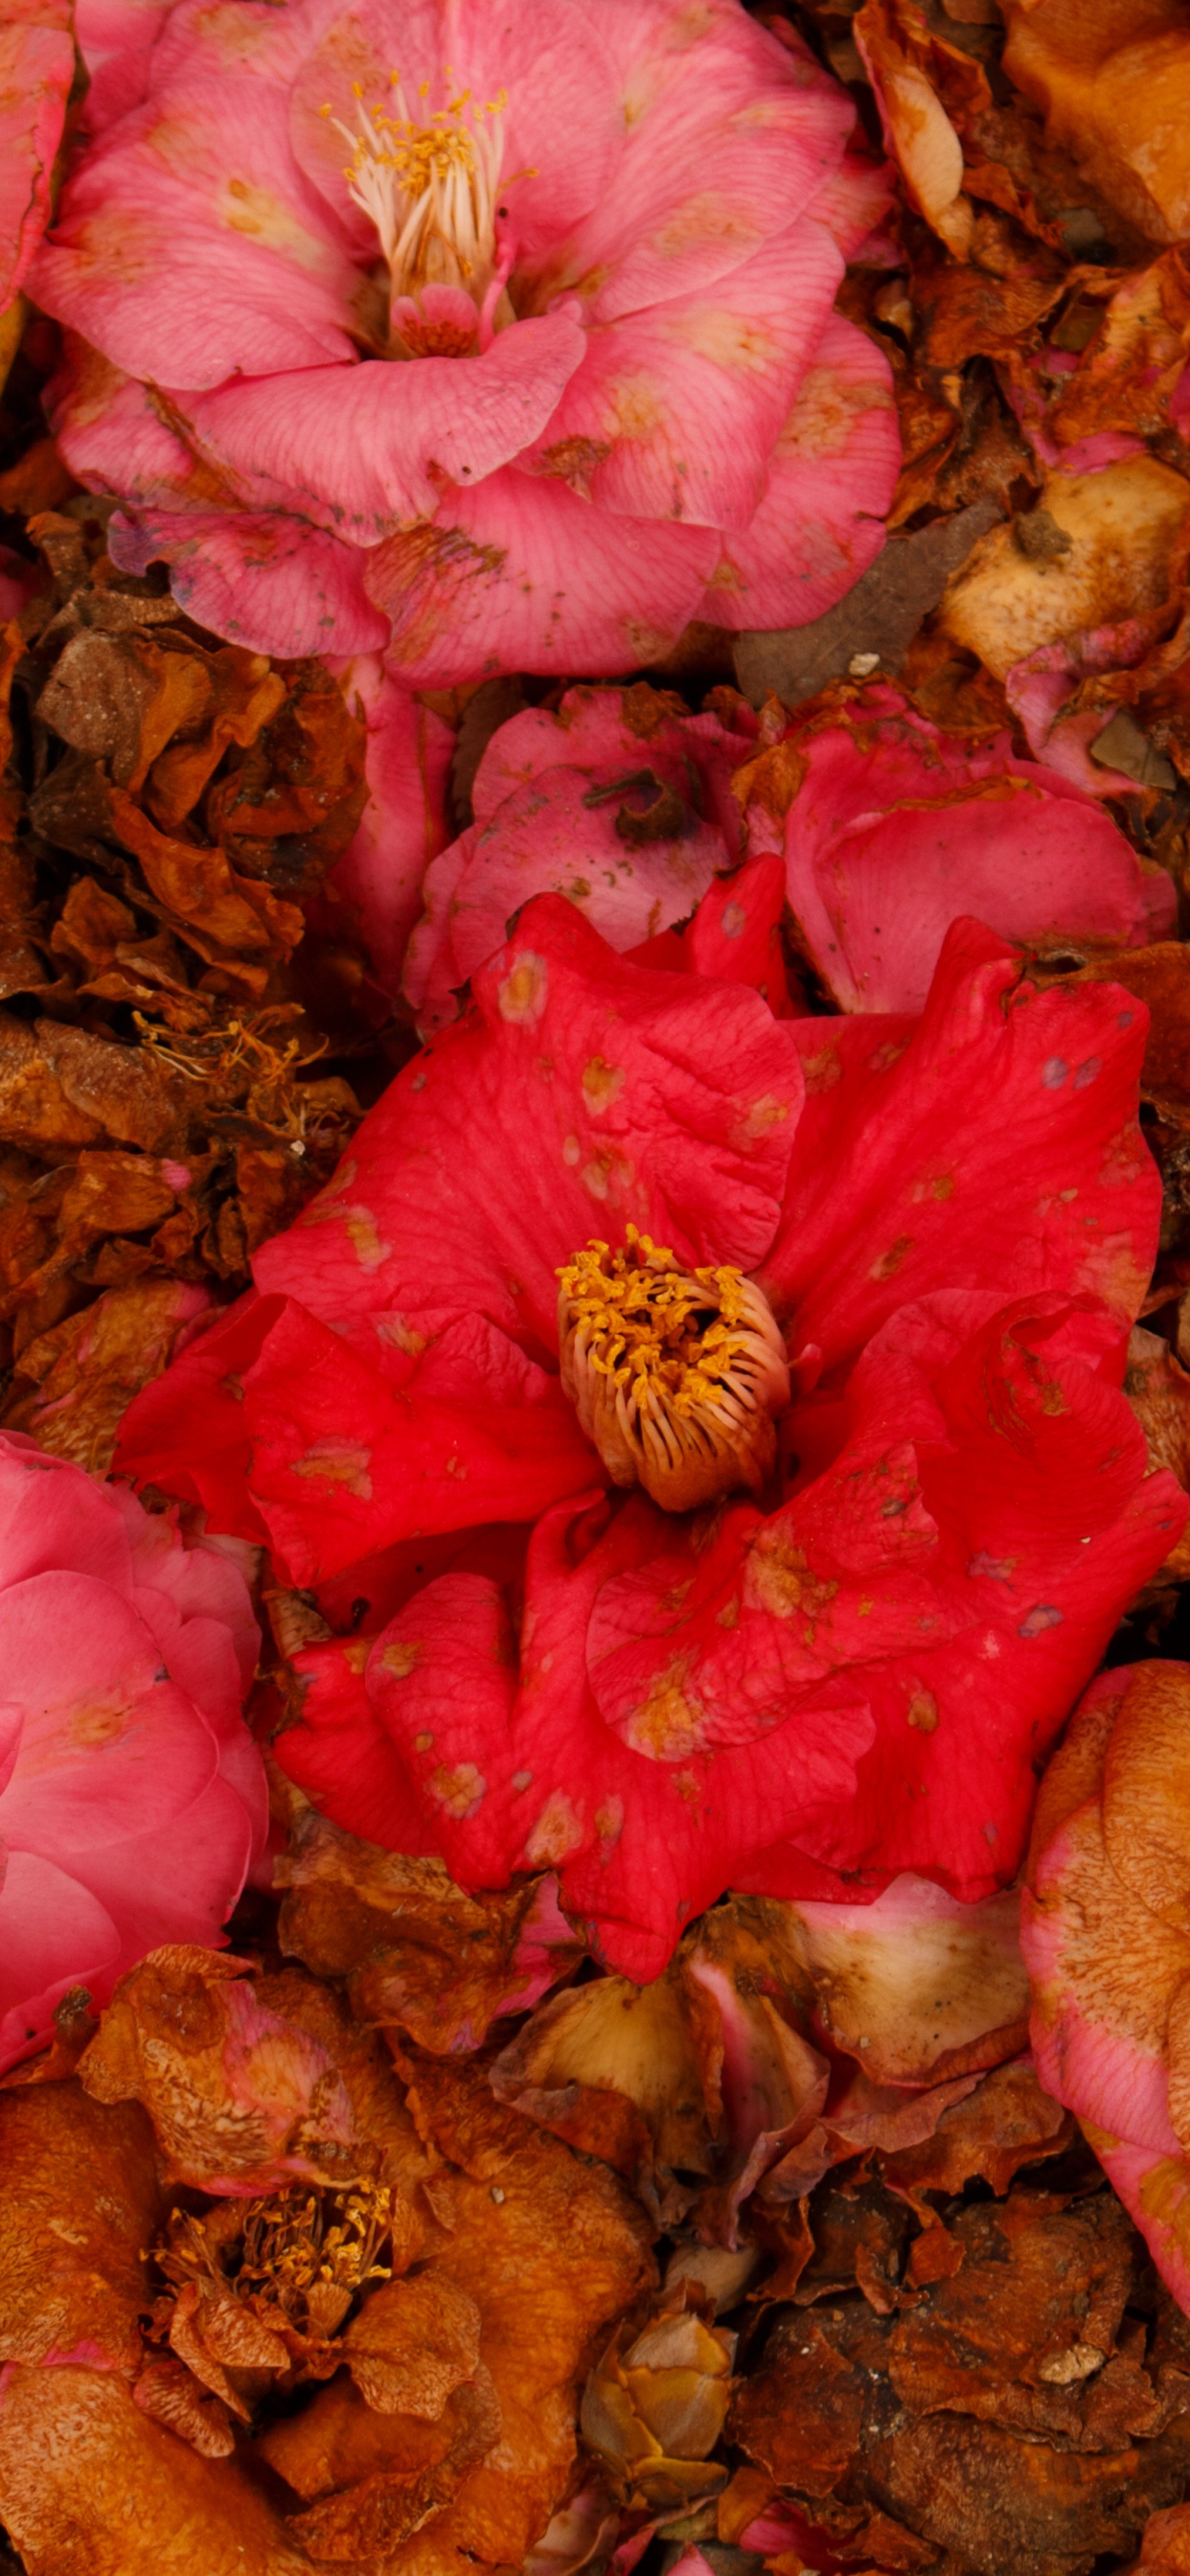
(501, 339)
(705, 1428)
(36, 70)
(1104, 1934)
(621, 801)
(133, 1799)
(895, 829)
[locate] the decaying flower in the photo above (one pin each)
(242, 2240)
(655, 2406)
(485, 345)
(165, 799)
(133, 1798)
(803, 1694)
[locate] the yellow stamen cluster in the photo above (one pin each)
(295, 2242)
(675, 1374)
(430, 189)
(643, 1318)
(307, 2251)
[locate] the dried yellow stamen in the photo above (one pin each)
(308, 2251)
(430, 188)
(675, 1374)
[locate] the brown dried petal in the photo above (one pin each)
(420, 1954)
(413, 2342)
(239, 2095)
(80, 2201)
(170, 2394)
(63, 1087)
(90, 2486)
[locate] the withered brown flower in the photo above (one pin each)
(303, 2308)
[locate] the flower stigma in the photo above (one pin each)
(431, 191)
(676, 1375)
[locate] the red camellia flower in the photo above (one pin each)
(133, 1797)
(704, 1427)
(492, 338)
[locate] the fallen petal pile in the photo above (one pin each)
(595, 1288)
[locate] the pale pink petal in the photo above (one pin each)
(189, 247)
(275, 585)
(36, 70)
(821, 522)
(729, 137)
(371, 443)
(674, 412)
(378, 881)
(550, 838)
(521, 575)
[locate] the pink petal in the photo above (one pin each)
(36, 70)
(550, 838)
(109, 1743)
(675, 411)
(914, 1130)
(669, 1101)
(53, 1517)
(520, 575)
(729, 136)
(53, 1935)
(606, 731)
(370, 444)
(895, 831)
(189, 1897)
(831, 479)
(273, 584)
(379, 879)
(116, 40)
(188, 246)
(854, 200)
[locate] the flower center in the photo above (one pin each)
(309, 2252)
(675, 1374)
(431, 190)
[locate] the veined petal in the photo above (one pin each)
(189, 247)
(675, 411)
(521, 575)
(831, 479)
(274, 584)
(36, 70)
(372, 443)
